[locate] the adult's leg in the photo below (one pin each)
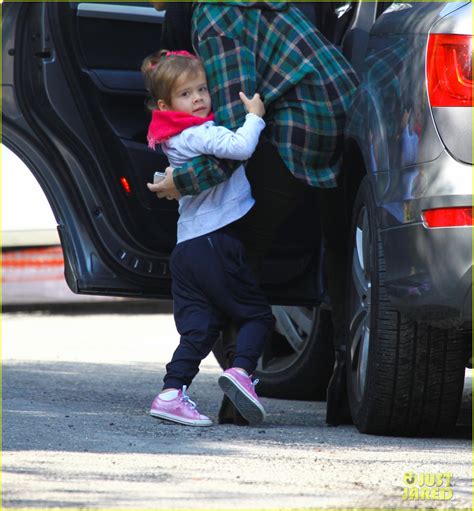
(277, 193)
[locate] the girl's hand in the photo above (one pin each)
(165, 189)
(254, 105)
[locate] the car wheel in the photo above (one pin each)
(404, 377)
(298, 359)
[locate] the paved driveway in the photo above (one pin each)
(76, 387)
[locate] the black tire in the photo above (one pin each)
(295, 371)
(404, 377)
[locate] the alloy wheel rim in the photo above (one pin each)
(295, 325)
(361, 299)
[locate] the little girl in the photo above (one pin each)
(211, 281)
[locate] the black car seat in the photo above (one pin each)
(330, 18)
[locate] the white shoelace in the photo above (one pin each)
(255, 382)
(186, 399)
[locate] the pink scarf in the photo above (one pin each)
(166, 124)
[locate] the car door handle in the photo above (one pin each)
(120, 12)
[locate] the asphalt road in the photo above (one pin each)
(77, 384)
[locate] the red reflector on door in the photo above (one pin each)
(448, 217)
(125, 185)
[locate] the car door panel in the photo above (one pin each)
(92, 118)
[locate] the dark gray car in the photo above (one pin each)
(73, 111)
(410, 143)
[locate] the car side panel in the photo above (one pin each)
(392, 124)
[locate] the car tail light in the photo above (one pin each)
(125, 185)
(448, 217)
(449, 70)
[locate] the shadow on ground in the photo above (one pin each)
(85, 407)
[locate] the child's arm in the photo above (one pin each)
(223, 143)
(240, 145)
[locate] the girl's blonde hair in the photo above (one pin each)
(162, 69)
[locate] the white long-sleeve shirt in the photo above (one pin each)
(228, 201)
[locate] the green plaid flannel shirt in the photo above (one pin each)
(307, 86)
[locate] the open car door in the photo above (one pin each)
(74, 111)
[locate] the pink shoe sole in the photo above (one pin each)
(180, 420)
(248, 407)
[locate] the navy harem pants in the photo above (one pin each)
(212, 284)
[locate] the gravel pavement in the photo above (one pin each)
(77, 384)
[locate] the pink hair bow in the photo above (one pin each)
(181, 53)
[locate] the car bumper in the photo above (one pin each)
(432, 278)
(429, 271)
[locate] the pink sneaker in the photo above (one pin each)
(180, 409)
(240, 389)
